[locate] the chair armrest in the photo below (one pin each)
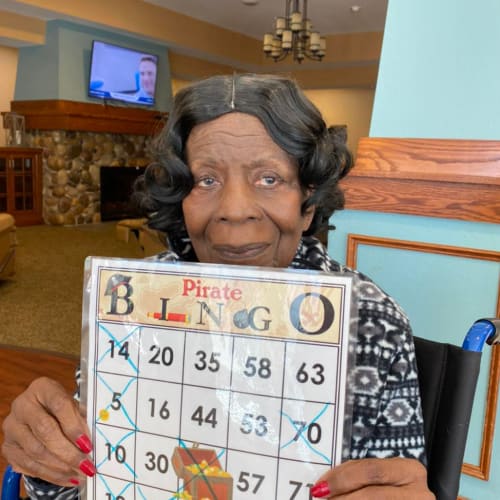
(11, 484)
(486, 330)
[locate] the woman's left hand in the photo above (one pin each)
(375, 478)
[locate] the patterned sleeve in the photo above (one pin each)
(387, 416)
(38, 489)
(41, 490)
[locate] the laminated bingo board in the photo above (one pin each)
(210, 382)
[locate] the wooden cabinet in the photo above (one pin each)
(21, 184)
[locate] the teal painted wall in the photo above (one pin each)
(59, 69)
(38, 69)
(442, 295)
(438, 75)
(437, 79)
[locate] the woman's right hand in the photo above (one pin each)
(46, 437)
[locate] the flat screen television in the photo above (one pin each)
(122, 74)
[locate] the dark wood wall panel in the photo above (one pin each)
(71, 115)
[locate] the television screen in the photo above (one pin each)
(122, 74)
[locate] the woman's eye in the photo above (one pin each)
(205, 182)
(268, 180)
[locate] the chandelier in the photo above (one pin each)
(294, 34)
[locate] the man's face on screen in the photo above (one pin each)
(147, 72)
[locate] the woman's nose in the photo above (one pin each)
(237, 202)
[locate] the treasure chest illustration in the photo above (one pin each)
(202, 475)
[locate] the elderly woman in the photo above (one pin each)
(246, 171)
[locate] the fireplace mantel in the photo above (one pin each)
(89, 117)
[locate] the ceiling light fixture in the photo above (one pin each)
(294, 35)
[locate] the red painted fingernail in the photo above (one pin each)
(87, 467)
(84, 443)
(320, 490)
(74, 481)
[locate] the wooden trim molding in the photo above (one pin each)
(354, 240)
(482, 470)
(89, 117)
(446, 178)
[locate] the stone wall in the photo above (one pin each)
(71, 163)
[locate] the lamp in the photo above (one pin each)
(14, 125)
(294, 34)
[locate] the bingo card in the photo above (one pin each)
(210, 382)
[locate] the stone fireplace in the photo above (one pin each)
(71, 170)
(78, 139)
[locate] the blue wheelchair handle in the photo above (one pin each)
(481, 332)
(10, 484)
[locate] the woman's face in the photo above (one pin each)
(244, 207)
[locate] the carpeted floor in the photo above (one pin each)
(40, 306)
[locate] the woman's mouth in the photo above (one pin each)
(240, 252)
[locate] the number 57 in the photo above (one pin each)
(244, 483)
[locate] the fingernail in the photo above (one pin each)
(74, 481)
(320, 490)
(87, 467)
(84, 443)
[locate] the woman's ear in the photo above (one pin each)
(307, 217)
(309, 212)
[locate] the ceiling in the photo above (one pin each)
(249, 17)
(352, 63)
(327, 16)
